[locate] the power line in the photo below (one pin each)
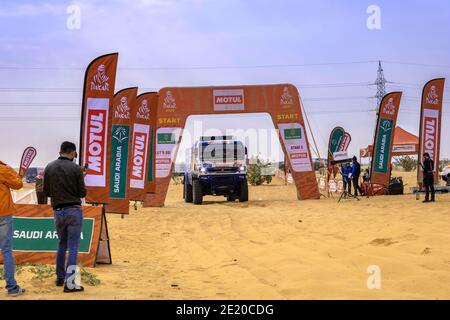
(216, 67)
(300, 86)
(77, 104)
(38, 119)
(417, 64)
(77, 118)
(338, 98)
(409, 85)
(155, 68)
(79, 90)
(39, 104)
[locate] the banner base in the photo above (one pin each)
(104, 248)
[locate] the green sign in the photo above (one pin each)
(382, 150)
(292, 134)
(335, 140)
(119, 161)
(39, 234)
(150, 154)
(166, 138)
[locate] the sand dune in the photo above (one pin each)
(274, 247)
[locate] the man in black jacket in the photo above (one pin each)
(64, 184)
(356, 171)
(428, 177)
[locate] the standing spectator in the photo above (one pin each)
(356, 172)
(64, 184)
(428, 177)
(9, 179)
(345, 171)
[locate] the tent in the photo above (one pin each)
(405, 143)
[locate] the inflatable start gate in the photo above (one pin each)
(281, 102)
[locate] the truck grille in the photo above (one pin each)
(223, 170)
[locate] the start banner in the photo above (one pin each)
(430, 124)
(98, 94)
(384, 138)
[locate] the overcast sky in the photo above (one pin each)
(327, 49)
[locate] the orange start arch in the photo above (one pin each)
(281, 102)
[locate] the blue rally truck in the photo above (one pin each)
(216, 166)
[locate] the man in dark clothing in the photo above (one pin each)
(64, 184)
(345, 171)
(356, 172)
(428, 177)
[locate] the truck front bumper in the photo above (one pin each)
(221, 184)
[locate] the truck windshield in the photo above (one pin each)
(222, 151)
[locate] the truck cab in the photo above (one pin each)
(216, 166)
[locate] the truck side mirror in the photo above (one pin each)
(246, 152)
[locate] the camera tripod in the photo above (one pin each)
(346, 195)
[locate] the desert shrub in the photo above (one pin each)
(267, 178)
(258, 172)
(407, 163)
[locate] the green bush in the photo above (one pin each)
(257, 172)
(406, 162)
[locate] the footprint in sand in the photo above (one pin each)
(410, 237)
(383, 242)
(426, 252)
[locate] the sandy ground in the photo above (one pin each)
(273, 247)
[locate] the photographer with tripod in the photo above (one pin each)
(346, 169)
(355, 173)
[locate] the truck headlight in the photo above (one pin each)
(203, 170)
(242, 168)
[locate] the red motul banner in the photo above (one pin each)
(345, 142)
(430, 124)
(141, 145)
(27, 158)
(384, 139)
(96, 116)
(124, 106)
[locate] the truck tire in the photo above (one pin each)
(243, 196)
(187, 192)
(197, 192)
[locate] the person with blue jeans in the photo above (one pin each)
(345, 171)
(64, 185)
(9, 179)
(355, 173)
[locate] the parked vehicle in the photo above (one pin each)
(445, 174)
